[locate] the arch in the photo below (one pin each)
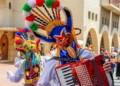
(105, 29)
(94, 38)
(114, 31)
(4, 47)
(104, 41)
(115, 41)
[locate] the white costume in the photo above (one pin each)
(18, 61)
(19, 74)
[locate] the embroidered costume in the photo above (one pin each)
(31, 64)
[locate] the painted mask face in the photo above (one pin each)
(64, 39)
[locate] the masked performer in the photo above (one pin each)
(53, 30)
(30, 67)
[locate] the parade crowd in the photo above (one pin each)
(114, 57)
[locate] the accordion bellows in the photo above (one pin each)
(85, 73)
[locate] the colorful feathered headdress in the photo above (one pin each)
(44, 19)
(44, 25)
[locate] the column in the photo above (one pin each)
(110, 24)
(110, 30)
(119, 33)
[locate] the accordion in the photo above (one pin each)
(84, 73)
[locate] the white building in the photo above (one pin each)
(99, 20)
(11, 19)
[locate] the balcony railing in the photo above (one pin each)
(115, 3)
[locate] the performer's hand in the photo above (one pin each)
(107, 66)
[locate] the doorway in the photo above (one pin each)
(4, 47)
(92, 41)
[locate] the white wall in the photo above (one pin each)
(11, 17)
(92, 6)
(5, 14)
(18, 20)
(77, 9)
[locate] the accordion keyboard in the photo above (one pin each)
(65, 76)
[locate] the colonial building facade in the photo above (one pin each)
(11, 21)
(99, 21)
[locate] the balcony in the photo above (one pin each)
(113, 5)
(8, 29)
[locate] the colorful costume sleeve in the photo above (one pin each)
(45, 38)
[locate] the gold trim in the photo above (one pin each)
(53, 24)
(32, 80)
